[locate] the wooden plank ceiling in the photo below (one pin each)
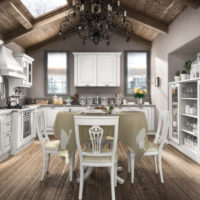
(148, 17)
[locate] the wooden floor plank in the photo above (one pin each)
(20, 175)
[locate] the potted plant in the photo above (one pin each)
(139, 94)
(177, 76)
(184, 75)
(188, 65)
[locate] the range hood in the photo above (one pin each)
(8, 65)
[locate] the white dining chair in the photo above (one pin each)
(97, 156)
(50, 147)
(154, 148)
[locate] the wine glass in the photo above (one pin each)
(118, 101)
(82, 101)
(104, 101)
(89, 101)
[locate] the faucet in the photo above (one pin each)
(97, 99)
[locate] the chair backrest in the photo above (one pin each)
(40, 127)
(96, 133)
(163, 127)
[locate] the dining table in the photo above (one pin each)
(133, 129)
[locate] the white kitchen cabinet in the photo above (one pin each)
(85, 70)
(97, 69)
(27, 63)
(108, 67)
(5, 135)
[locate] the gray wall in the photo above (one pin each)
(74, 44)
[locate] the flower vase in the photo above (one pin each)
(139, 101)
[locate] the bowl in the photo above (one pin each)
(68, 101)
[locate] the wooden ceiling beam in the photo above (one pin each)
(46, 43)
(192, 3)
(146, 20)
(20, 17)
(46, 19)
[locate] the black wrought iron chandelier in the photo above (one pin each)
(96, 20)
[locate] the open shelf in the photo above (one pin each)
(193, 99)
(189, 132)
(193, 116)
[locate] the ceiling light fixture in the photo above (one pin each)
(95, 20)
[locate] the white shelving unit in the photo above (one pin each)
(185, 123)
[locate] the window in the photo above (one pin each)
(137, 70)
(41, 7)
(56, 73)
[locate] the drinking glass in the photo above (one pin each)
(118, 101)
(89, 101)
(82, 101)
(104, 101)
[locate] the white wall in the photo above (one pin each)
(183, 30)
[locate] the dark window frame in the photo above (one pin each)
(148, 82)
(67, 92)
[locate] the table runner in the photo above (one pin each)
(133, 130)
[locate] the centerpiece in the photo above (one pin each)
(139, 94)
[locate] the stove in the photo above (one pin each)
(14, 107)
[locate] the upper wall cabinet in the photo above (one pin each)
(26, 62)
(97, 69)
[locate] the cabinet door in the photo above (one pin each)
(107, 70)
(174, 113)
(29, 78)
(86, 70)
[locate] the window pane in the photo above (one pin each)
(41, 7)
(57, 72)
(136, 70)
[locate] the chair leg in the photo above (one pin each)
(160, 168)
(71, 166)
(81, 182)
(129, 162)
(155, 164)
(48, 161)
(112, 178)
(43, 167)
(132, 166)
(116, 174)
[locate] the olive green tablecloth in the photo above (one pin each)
(132, 130)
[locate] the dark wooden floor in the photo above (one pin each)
(20, 175)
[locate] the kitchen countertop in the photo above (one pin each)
(78, 105)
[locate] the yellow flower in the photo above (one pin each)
(145, 91)
(136, 90)
(141, 92)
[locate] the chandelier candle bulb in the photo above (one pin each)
(82, 7)
(109, 7)
(118, 3)
(125, 13)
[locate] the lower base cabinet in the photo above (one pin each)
(5, 135)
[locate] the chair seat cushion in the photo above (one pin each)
(99, 159)
(152, 147)
(53, 145)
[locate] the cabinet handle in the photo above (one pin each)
(87, 85)
(107, 85)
